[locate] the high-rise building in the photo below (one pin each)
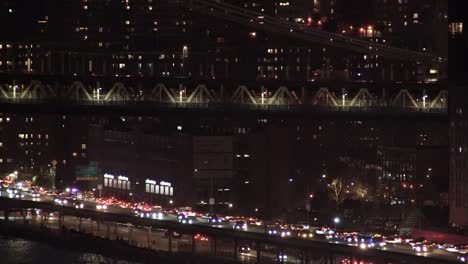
(458, 110)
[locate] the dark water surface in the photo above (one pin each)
(20, 251)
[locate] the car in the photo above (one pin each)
(285, 233)
(18, 195)
(394, 239)
(281, 257)
(34, 194)
(351, 239)
(78, 205)
(244, 248)
(304, 234)
(187, 219)
(214, 219)
(379, 241)
(365, 241)
(463, 258)
(240, 225)
(200, 237)
(61, 201)
(421, 247)
(101, 207)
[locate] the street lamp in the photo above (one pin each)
(336, 220)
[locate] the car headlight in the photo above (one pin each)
(362, 246)
(219, 220)
(288, 233)
(418, 249)
(462, 259)
(382, 244)
(190, 221)
(424, 248)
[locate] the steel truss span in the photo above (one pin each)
(261, 21)
(242, 97)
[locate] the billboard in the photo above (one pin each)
(87, 172)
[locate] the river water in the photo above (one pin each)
(20, 251)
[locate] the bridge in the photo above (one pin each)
(149, 98)
(307, 250)
(262, 21)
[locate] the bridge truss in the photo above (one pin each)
(261, 21)
(241, 96)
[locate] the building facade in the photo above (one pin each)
(458, 55)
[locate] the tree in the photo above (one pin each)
(336, 187)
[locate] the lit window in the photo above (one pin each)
(456, 28)
(83, 146)
(21, 136)
(74, 154)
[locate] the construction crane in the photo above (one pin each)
(261, 21)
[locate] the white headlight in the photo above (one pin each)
(190, 221)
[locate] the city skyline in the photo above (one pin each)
(348, 115)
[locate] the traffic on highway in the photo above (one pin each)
(72, 197)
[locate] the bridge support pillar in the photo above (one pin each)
(236, 248)
(80, 221)
(115, 231)
(98, 226)
(169, 241)
(24, 214)
(258, 246)
(330, 258)
(149, 237)
(6, 215)
(193, 244)
(305, 257)
(130, 234)
(281, 252)
(108, 231)
(213, 246)
(60, 219)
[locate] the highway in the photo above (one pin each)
(157, 238)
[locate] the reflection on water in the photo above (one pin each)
(19, 251)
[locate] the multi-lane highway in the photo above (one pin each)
(158, 240)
